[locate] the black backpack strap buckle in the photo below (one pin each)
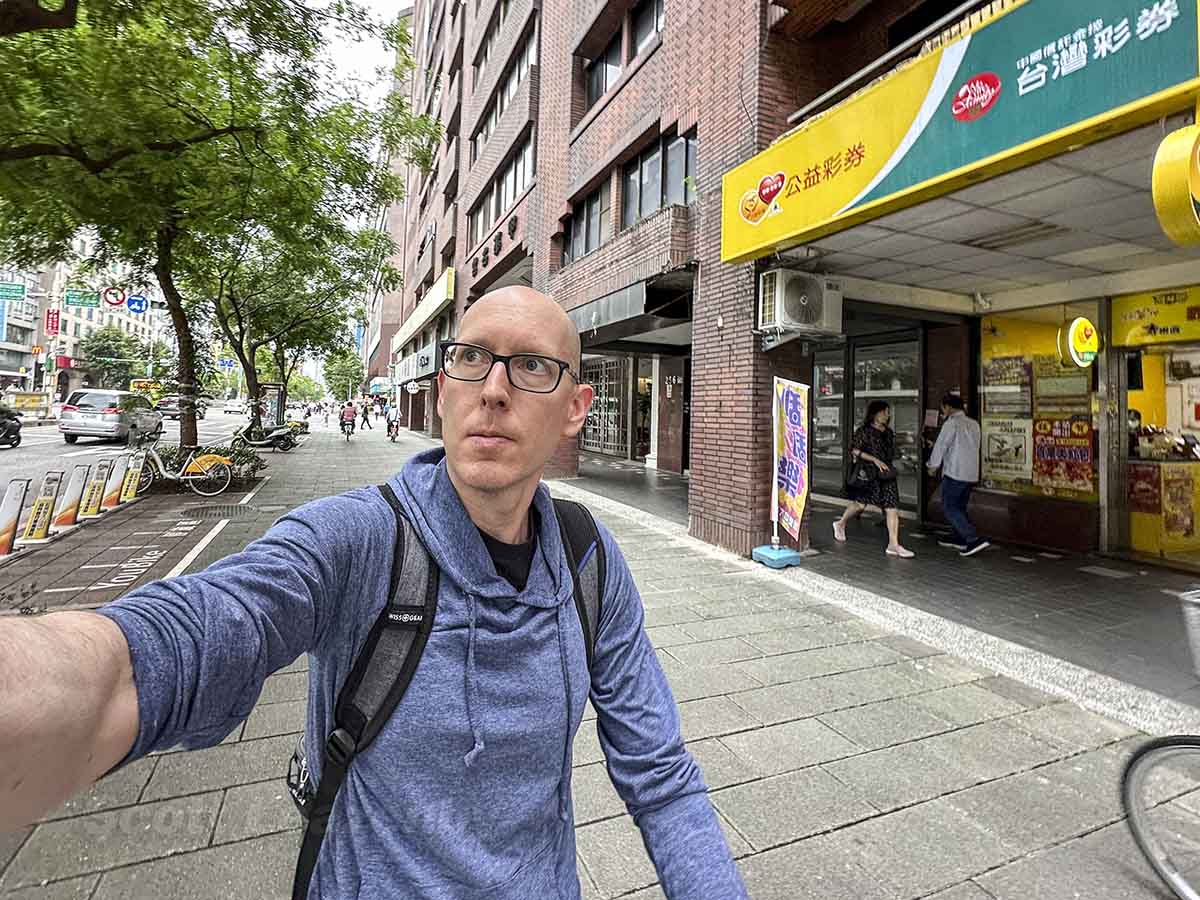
(340, 748)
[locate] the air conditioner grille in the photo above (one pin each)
(801, 304)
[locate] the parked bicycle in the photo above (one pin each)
(1161, 792)
(207, 474)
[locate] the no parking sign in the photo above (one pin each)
(114, 296)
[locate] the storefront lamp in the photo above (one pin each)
(1078, 342)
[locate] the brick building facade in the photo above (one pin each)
(603, 163)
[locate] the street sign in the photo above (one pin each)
(52, 320)
(413, 387)
(137, 303)
(74, 297)
(114, 296)
(11, 291)
(228, 363)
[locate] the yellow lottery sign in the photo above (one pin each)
(1156, 317)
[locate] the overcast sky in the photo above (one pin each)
(359, 62)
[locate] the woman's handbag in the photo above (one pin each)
(862, 473)
(889, 474)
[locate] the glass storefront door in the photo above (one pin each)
(891, 373)
(829, 436)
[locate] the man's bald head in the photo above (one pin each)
(544, 319)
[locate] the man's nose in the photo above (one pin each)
(496, 386)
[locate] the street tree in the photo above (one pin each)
(113, 356)
(305, 389)
(153, 130)
(343, 373)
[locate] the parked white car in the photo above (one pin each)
(236, 407)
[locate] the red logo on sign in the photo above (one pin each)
(770, 186)
(976, 97)
(52, 322)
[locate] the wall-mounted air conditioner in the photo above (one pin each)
(793, 301)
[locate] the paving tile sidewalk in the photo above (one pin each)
(845, 759)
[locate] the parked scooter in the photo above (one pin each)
(277, 438)
(10, 427)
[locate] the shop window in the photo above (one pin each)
(1039, 432)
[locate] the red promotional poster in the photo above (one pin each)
(1064, 458)
(52, 316)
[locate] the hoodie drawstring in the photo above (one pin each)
(472, 695)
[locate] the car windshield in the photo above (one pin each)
(92, 400)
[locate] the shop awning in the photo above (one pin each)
(1023, 94)
(438, 298)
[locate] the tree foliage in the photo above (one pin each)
(198, 139)
(343, 373)
(113, 356)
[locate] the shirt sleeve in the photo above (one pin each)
(652, 771)
(202, 645)
(942, 444)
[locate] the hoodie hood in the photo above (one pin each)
(436, 511)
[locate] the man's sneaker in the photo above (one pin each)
(972, 549)
(953, 545)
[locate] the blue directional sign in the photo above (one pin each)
(137, 303)
(228, 363)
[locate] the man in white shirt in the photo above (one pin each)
(956, 453)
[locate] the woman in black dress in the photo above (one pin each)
(875, 443)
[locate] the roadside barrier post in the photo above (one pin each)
(116, 478)
(10, 512)
(68, 508)
(37, 526)
(90, 508)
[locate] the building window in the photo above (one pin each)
(489, 41)
(76, 332)
(663, 174)
(604, 71)
(526, 57)
(510, 183)
(590, 224)
(89, 313)
(648, 20)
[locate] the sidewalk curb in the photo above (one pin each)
(1136, 707)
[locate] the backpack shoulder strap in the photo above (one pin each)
(380, 676)
(585, 554)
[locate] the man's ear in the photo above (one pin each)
(577, 410)
(441, 403)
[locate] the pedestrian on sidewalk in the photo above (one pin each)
(872, 455)
(466, 789)
(956, 453)
(366, 415)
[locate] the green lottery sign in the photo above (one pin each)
(11, 291)
(82, 298)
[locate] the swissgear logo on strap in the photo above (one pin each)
(410, 616)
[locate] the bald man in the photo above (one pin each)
(466, 792)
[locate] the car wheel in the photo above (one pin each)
(16, 441)
(70, 438)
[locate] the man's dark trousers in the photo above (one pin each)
(955, 495)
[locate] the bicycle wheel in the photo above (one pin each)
(214, 480)
(146, 479)
(1161, 792)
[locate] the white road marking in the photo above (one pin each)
(250, 495)
(1105, 572)
(134, 546)
(182, 565)
(100, 565)
(63, 590)
(145, 532)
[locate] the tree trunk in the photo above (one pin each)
(164, 241)
(238, 345)
(284, 375)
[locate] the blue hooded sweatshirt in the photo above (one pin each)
(466, 792)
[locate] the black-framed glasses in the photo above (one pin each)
(526, 371)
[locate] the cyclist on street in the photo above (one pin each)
(466, 792)
(393, 418)
(348, 417)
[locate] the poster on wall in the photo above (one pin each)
(1007, 449)
(1007, 386)
(1058, 388)
(1063, 454)
(1145, 489)
(1179, 519)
